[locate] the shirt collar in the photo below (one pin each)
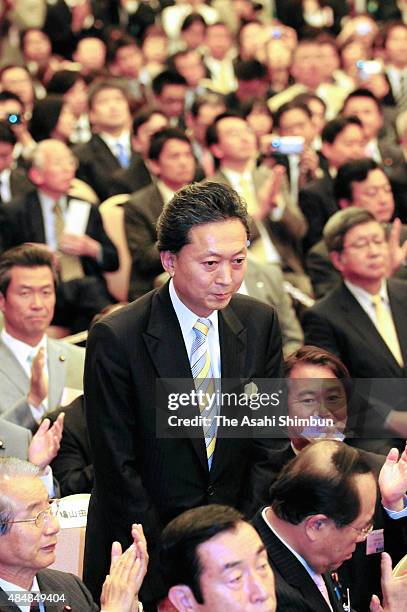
(123, 139)
(48, 203)
(364, 296)
(166, 193)
(185, 316)
(20, 349)
(294, 552)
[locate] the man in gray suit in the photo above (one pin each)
(35, 371)
(266, 283)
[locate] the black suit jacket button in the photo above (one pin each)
(210, 490)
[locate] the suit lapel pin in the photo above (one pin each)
(62, 358)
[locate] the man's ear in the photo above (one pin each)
(2, 302)
(216, 151)
(344, 203)
(325, 149)
(315, 526)
(35, 175)
(182, 598)
(155, 168)
(168, 261)
(336, 258)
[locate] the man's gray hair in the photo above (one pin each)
(11, 468)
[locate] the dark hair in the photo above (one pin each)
(62, 81)
(144, 115)
(191, 19)
(197, 204)
(341, 222)
(210, 98)
(166, 77)
(6, 133)
(350, 172)
(172, 59)
(333, 128)
(178, 556)
(314, 355)
(362, 92)
(158, 140)
(248, 70)
(289, 106)
(320, 480)
(101, 85)
(25, 256)
(306, 97)
(212, 136)
(124, 40)
(9, 95)
(45, 117)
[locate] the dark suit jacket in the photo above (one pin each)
(53, 582)
(361, 573)
(21, 221)
(295, 589)
(131, 179)
(325, 277)
(97, 165)
(72, 466)
(317, 202)
(141, 213)
(339, 324)
(140, 476)
(20, 183)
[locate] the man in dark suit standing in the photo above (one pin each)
(193, 321)
(71, 228)
(363, 320)
(172, 163)
(110, 147)
(342, 141)
(322, 506)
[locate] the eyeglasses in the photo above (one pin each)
(42, 518)
(364, 531)
(363, 243)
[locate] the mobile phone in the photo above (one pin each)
(369, 68)
(287, 145)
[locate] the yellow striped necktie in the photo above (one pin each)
(203, 379)
(386, 328)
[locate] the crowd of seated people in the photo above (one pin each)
(108, 111)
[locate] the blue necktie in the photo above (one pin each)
(122, 155)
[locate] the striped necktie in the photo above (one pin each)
(386, 328)
(203, 379)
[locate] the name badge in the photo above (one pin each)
(375, 542)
